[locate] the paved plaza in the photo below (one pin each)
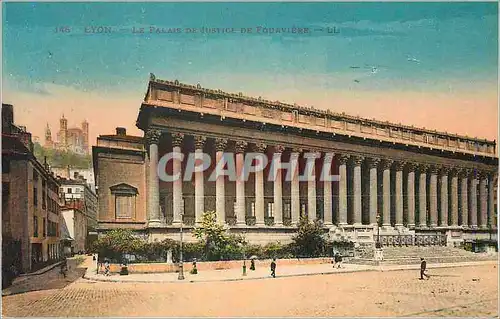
(459, 291)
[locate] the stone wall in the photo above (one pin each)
(215, 265)
(116, 169)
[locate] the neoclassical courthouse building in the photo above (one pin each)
(421, 186)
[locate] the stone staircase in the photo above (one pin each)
(432, 254)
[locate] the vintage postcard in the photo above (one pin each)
(264, 159)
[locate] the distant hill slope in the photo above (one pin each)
(59, 158)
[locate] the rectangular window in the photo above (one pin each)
(270, 209)
(252, 209)
(44, 230)
(44, 199)
(5, 166)
(303, 210)
(287, 210)
(35, 226)
(125, 206)
(35, 196)
(69, 190)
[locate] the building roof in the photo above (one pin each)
(301, 109)
(122, 138)
(13, 147)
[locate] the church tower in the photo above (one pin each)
(48, 137)
(85, 129)
(63, 131)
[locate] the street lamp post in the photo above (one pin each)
(244, 256)
(181, 261)
(378, 230)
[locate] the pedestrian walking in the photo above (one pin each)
(423, 267)
(338, 260)
(106, 268)
(273, 268)
(64, 267)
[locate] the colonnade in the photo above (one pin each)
(434, 195)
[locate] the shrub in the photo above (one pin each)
(310, 240)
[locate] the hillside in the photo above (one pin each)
(59, 158)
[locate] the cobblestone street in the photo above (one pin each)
(461, 291)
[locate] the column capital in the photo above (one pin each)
(260, 147)
(463, 172)
(386, 164)
(493, 176)
(473, 174)
(411, 166)
(199, 141)
(177, 139)
(453, 172)
(297, 150)
(422, 167)
(343, 158)
(241, 146)
(220, 144)
(279, 149)
(484, 174)
(399, 165)
(433, 169)
(444, 170)
(153, 136)
(372, 162)
(357, 159)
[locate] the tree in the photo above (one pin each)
(116, 243)
(310, 240)
(218, 243)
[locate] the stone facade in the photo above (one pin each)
(406, 178)
(120, 166)
(30, 201)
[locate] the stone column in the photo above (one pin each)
(311, 191)
(327, 191)
(483, 204)
(491, 198)
(220, 190)
(240, 184)
(357, 210)
(433, 196)
(278, 187)
(422, 196)
(199, 191)
(411, 195)
(473, 201)
(398, 166)
(444, 196)
(373, 207)
(386, 189)
(177, 200)
(294, 187)
(153, 138)
(342, 159)
(259, 189)
(454, 197)
(464, 200)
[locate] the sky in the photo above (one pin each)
(427, 64)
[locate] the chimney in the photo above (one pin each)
(45, 164)
(68, 172)
(7, 118)
(121, 131)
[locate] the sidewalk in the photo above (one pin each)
(47, 278)
(263, 273)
